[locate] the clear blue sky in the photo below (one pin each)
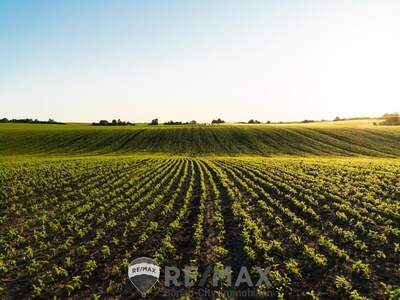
(183, 60)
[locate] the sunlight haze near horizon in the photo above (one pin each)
(183, 60)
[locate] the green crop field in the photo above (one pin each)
(347, 138)
(318, 203)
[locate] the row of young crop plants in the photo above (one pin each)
(71, 227)
(72, 222)
(318, 222)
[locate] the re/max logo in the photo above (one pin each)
(191, 277)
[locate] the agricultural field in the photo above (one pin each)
(343, 138)
(328, 227)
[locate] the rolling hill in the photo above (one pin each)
(348, 138)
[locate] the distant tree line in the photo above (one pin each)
(392, 119)
(388, 119)
(350, 119)
(308, 121)
(193, 122)
(112, 123)
(30, 121)
(217, 121)
(154, 122)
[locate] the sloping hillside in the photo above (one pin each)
(324, 139)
